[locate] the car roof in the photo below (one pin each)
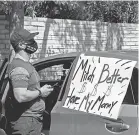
(130, 55)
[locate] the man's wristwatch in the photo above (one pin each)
(40, 93)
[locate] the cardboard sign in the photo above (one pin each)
(99, 85)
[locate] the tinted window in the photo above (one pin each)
(131, 96)
(53, 75)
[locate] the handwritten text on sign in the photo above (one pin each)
(99, 85)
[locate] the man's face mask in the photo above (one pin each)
(31, 46)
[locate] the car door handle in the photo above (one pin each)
(116, 127)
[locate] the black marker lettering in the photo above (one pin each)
(105, 69)
(98, 100)
(86, 99)
(82, 66)
(113, 104)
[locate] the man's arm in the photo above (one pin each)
(20, 77)
(24, 95)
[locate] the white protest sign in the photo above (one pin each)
(99, 85)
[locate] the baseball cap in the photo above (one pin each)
(23, 35)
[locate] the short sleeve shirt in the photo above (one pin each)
(23, 75)
(20, 77)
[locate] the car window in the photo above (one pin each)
(66, 81)
(52, 73)
(64, 86)
(131, 96)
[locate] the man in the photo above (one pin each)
(25, 115)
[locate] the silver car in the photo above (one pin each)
(57, 70)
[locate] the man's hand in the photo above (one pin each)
(46, 90)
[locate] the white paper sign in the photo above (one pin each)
(99, 85)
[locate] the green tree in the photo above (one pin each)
(99, 11)
(15, 12)
(107, 11)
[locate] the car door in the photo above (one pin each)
(3, 84)
(71, 122)
(52, 72)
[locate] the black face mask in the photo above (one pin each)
(31, 46)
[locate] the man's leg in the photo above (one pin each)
(36, 127)
(26, 126)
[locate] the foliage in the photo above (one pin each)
(107, 11)
(5, 6)
(113, 11)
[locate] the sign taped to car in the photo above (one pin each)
(99, 85)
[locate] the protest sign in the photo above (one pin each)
(99, 85)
